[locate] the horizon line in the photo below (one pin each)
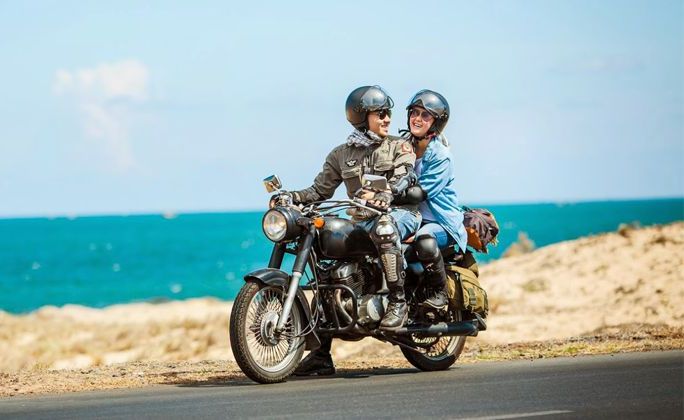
(170, 214)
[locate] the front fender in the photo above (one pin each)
(279, 278)
(269, 277)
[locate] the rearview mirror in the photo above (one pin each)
(374, 182)
(272, 183)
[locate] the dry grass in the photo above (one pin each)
(607, 340)
(41, 380)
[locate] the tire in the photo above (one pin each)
(440, 352)
(261, 356)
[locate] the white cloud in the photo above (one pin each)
(106, 96)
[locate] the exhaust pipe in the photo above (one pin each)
(442, 328)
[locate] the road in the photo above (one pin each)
(636, 385)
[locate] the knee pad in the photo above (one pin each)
(426, 248)
(384, 233)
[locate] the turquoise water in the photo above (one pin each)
(98, 261)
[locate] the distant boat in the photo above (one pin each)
(168, 215)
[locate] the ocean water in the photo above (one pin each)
(99, 261)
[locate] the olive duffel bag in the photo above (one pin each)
(465, 292)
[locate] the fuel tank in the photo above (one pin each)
(340, 238)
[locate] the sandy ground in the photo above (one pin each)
(630, 278)
(569, 288)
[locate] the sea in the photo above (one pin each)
(103, 260)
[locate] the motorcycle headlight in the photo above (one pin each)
(280, 223)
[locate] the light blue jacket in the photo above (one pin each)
(438, 181)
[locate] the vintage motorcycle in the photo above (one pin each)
(273, 321)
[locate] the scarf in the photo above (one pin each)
(361, 139)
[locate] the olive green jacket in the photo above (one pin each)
(391, 158)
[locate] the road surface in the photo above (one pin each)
(635, 385)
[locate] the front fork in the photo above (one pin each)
(297, 271)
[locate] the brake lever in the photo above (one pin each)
(360, 202)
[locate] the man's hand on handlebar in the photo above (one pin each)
(379, 200)
(284, 197)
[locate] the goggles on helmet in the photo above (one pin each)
(431, 102)
(375, 99)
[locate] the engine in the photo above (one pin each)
(372, 308)
(350, 275)
(359, 278)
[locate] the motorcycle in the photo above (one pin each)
(273, 321)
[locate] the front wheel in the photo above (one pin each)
(264, 356)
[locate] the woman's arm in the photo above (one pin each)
(436, 174)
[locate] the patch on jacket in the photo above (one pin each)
(351, 163)
(406, 148)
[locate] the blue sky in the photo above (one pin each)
(126, 108)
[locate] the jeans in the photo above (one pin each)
(407, 222)
(436, 230)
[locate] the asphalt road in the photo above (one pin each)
(637, 385)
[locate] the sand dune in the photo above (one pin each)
(562, 290)
(577, 286)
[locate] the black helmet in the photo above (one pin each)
(435, 104)
(364, 100)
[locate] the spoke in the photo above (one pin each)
(266, 306)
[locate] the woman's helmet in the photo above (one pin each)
(364, 100)
(435, 104)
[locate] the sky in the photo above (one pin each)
(125, 108)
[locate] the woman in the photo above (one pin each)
(442, 225)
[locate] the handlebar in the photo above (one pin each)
(362, 204)
(284, 198)
(319, 206)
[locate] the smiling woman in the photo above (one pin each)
(442, 224)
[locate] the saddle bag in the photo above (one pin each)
(465, 292)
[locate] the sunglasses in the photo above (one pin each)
(384, 113)
(424, 115)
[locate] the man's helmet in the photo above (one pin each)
(435, 104)
(364, 100)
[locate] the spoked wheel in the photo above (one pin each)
(263, 355)
(436, 353)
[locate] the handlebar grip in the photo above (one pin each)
(365, 203)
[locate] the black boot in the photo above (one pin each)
(436, 297)
(427, 251)
(435, 284)
(318, 362)
(396, 315)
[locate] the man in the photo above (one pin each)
(369, 150)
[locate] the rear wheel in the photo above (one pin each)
(436, 353)
(263, 355)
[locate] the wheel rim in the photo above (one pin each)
(437, 349)
(272, 353)
(440, 349)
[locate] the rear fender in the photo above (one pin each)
(278, 278)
